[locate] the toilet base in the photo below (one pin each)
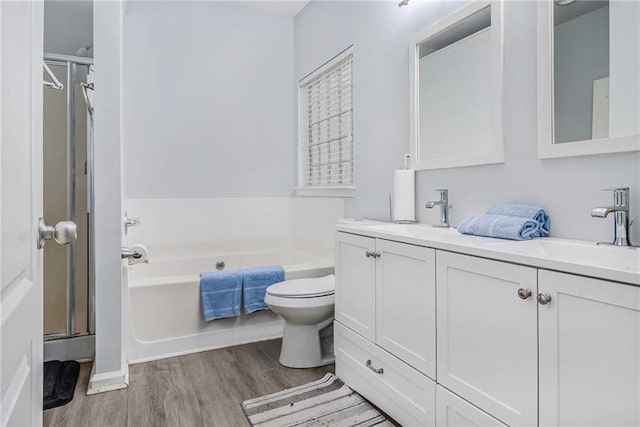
(301, 347)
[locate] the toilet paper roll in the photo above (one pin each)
(404, 195)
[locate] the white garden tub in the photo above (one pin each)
(164, 295)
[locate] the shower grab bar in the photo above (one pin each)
(85, 87)
(55, 83)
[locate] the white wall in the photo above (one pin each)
(208, 101)
(170, 221)
(380, 31)
(109, 369)
(68, 25)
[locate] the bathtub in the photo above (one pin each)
(164, 316)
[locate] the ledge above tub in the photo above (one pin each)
(620, 264)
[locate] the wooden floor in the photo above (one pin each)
(202, 389)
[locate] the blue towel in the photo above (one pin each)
(500, 226)
(535, 213)
(220, 294)
(255, 283)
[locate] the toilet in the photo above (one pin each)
(307, 308)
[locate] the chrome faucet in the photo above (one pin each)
(129, 222)
(444, 206)
(620, 209)
(130, 253)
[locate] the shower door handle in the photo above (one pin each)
(64, 232)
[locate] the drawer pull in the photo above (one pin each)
(376, 370)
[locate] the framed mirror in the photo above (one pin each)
(588, 85)
(456, 89)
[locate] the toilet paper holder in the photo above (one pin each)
(391, 216)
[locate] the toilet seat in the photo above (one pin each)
(304, 288)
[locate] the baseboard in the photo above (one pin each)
(108, 381)
(78, 348)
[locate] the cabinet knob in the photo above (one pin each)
(376, 254)
(368, 254)
(544, 299)
(376, 370)
(524, 293)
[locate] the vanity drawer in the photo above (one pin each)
(399, 390)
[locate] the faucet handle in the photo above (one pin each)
(620, 196)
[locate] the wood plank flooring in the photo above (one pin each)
(201, 389)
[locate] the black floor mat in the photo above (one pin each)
(59, 382)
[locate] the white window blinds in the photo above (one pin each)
(326, 126)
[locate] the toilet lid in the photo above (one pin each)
(304, 288)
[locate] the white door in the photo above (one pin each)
(487, 335)
(406, 303)
(589, 352)
(21, 31)
(356, 284)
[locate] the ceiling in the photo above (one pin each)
(286, 8)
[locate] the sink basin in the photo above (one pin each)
(421, 231)
(605, 256)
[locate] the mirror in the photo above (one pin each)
(588, 68)
(456, 80)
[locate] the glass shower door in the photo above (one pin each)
(67, 129)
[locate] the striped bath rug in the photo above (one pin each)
(326, 402)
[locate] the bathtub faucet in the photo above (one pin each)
(134, 255)
(131, 253)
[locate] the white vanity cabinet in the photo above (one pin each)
(385, 330)
(589, 334)
(355, 299)
(515, 343)
(406, 303)
(453, 411)
(487, 328)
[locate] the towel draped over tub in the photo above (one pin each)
(221, 292)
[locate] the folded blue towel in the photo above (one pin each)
(220, 294)
(500, 226)
(255, 283)
(535, 213)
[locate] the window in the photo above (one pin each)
(325, 155)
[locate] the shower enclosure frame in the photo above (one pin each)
(71, 63)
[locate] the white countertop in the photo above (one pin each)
(620, 264)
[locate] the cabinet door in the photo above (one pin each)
(355, 284)
(406, 303)
(487, 335)
(452, 411)
(589, 352)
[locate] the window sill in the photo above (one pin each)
(325, 191)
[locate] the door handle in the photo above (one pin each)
(63, 233)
